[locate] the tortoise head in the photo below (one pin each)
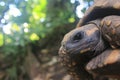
(83, 40)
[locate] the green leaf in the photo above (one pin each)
(71, 20)
(34, 36)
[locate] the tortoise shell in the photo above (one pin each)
(99, 10)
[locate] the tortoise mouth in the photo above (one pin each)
(99, 13)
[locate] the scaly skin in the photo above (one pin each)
(110, 28)
(106, 64)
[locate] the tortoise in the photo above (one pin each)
(85, 66)
(84, 52)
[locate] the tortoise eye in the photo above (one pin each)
(77, 37)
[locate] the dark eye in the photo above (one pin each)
(78, 37)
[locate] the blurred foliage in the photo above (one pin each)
(25, 21)
(31, 21)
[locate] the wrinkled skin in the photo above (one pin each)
(78, 47)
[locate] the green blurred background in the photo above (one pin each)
(30, 36)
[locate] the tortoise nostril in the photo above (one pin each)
(77, 37)
(65, 46)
